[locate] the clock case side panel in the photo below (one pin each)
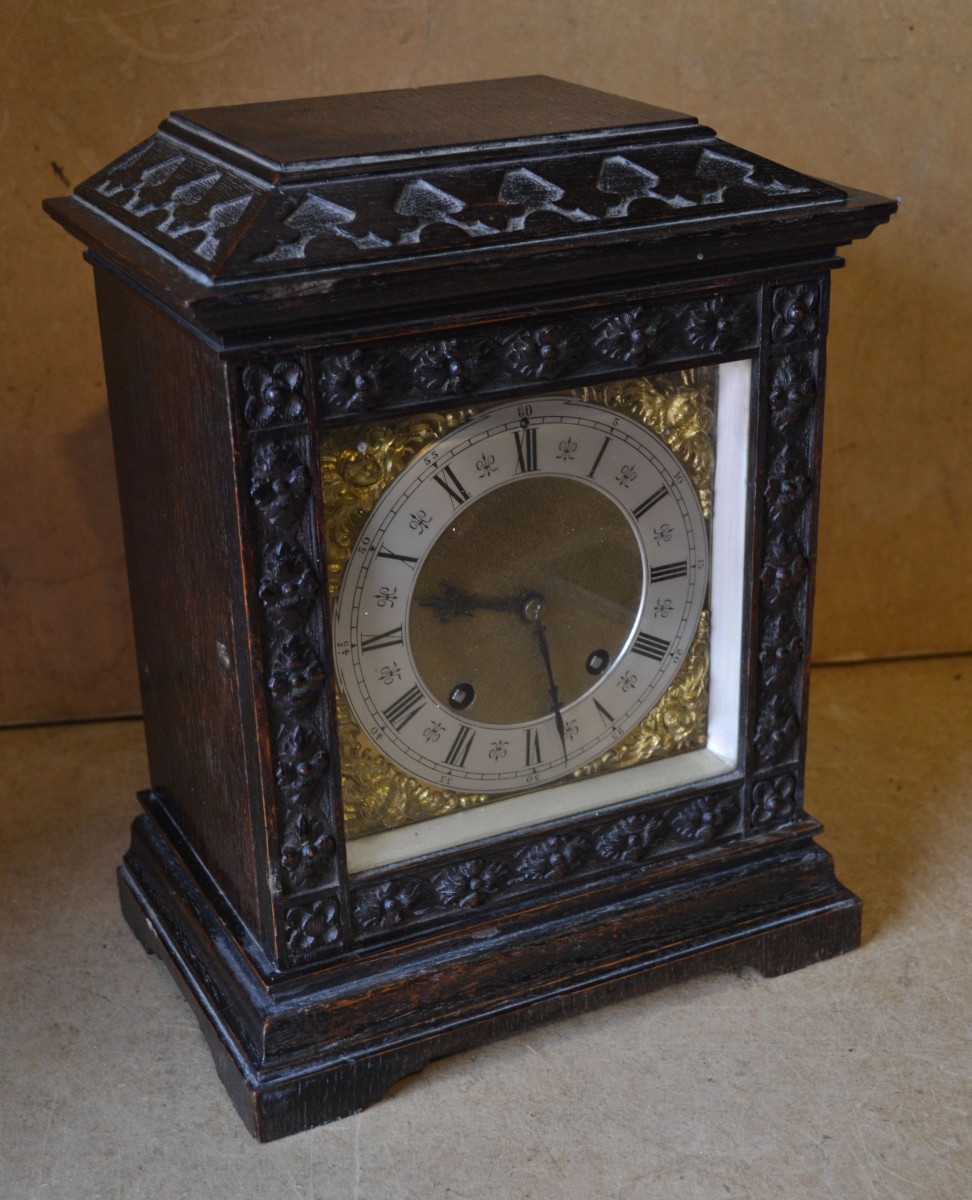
(174, 463)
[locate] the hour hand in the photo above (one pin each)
(449, 602)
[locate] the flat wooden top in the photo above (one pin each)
(383, 126)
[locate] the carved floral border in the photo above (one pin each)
(790, 411)
(525, 355)
(626, 844)
(281, 481)
(510, 356)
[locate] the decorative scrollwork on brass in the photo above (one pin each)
(679, 407)
(357, 465)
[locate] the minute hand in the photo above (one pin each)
(541, 633)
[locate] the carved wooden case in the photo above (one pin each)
(268, 272)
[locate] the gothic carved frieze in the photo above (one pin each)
(227, 223)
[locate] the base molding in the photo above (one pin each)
(301, 1050)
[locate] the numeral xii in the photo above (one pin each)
(526, 450)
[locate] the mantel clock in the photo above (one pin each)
(468, 442)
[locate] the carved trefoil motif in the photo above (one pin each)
(178, 195)
(230, 223)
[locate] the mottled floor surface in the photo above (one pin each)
(850, 1079)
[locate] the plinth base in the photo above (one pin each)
(303, 1049)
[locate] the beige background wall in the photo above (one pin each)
(872, 94)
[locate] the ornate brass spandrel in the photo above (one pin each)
(359, 462)
(680, 408)
(676, 723)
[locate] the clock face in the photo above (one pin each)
(521, 596)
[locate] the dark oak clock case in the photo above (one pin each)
(266, 271)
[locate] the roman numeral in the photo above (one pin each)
(650, 647)
(405, 558)
(381, 641)
(533, 758)
(457, 493)
(652, 500)
(600, 455)
(605, 715)
(459, 750)
(526, 450)
(675, 570)
(405, 707)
